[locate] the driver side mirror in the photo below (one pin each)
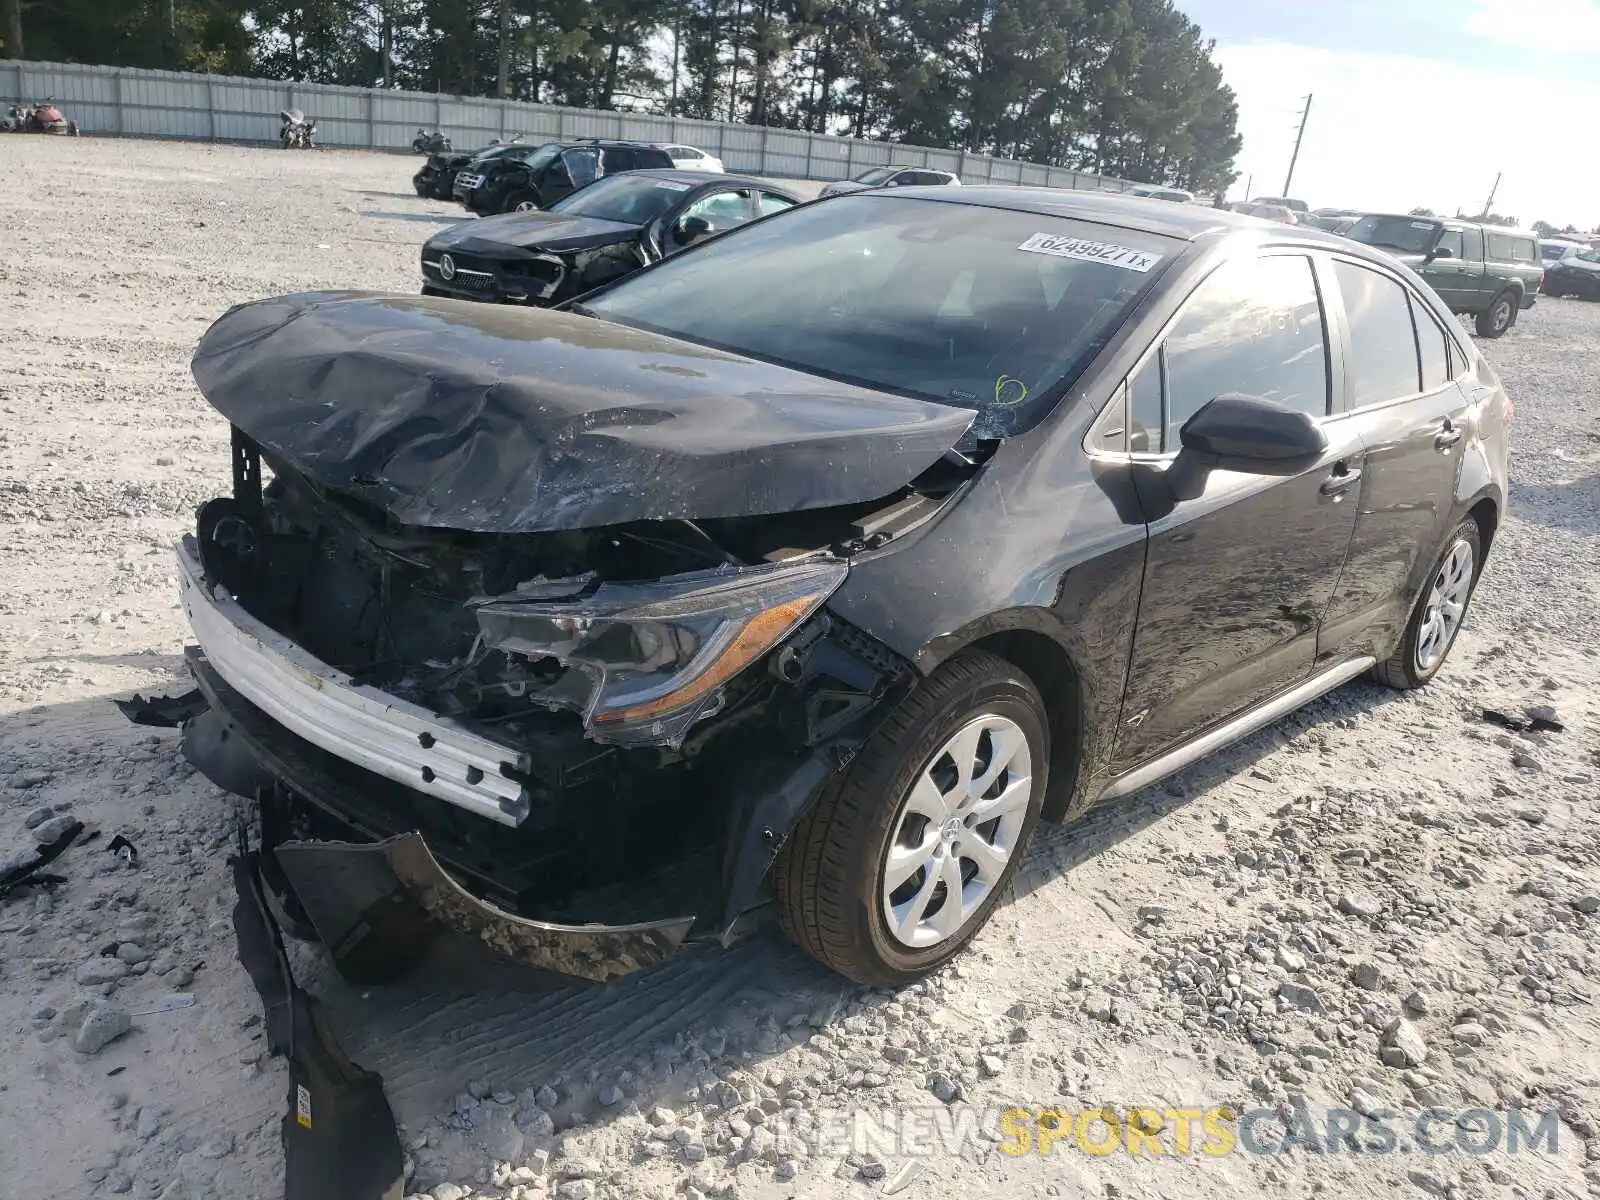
(1252, 434)
(691, 228)
(1439, 252)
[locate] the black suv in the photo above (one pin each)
(534, 177)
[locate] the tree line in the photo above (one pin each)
(1119, 87)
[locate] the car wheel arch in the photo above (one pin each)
(1030, 640)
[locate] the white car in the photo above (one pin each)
(687, 158)
(1152, 192)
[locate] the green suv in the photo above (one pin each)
(1488, 271)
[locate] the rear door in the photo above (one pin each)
(1413, 419)
(1240, 567)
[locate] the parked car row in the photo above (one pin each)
(736, 580)
(525, 176)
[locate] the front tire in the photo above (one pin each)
(1499, 316)
(1439, 613)
(909, 850)
(521, 202)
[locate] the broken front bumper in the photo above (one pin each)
(362, 725)
(279, 718)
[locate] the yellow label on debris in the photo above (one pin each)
(302, 1105)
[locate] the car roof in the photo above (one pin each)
(695, 178)
(1467, 223)
(1188, 222)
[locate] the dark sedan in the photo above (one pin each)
(609, 229)
(818, 564)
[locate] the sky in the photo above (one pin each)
(1417, 103)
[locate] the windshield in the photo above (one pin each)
(632, 199)
(1589, 255)
(876, 175)
(980, 308)
(1405, 234)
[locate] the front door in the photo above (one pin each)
(1240, 567)
(1451, 273)
(1415, 421)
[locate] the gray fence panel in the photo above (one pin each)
(115, 100)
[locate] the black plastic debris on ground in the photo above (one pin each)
(339, 1136)
(163, 712)
(27, 873)
(124, 849)
(1540, 719)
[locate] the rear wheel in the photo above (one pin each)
(1499, 316)
(908, 852)
(1439, 612)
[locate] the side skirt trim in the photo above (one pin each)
(1243, 725)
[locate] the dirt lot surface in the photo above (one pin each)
(1381, 903)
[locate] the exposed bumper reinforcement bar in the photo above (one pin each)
(360, 724)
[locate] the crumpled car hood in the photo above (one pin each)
(494, 419)
(530, 231)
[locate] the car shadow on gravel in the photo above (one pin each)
(425, 218)
(1573, 506)
(1057, 849)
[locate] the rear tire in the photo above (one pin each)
(1500, 316)
(833, 876)
(1432, 629)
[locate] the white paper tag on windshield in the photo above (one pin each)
(672, 185)
(1422, 224)
(1061, 246)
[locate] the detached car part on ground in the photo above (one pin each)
(296, 132)
(37, 118)
(609, 229)
(1487, 272)
(818, 562)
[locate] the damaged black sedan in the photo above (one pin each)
(597, 235)
(816, 565)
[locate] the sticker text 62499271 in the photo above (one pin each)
(1086, 250)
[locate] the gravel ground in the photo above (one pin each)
(1380, 903)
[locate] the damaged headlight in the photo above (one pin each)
(645, 661)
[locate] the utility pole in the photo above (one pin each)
(1249, 186)
(1295, 157)
(1488, 205)
(502, 74)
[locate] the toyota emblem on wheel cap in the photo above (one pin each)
(447, 267)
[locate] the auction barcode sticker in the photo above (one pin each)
(302, 1105)
(672, 185)
(1125, 257)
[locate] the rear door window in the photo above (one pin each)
(771, 202)
(1472, 240)
(1382, 364)
(1253, 327)
(1433, 352)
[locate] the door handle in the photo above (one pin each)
(1341, 479)
(1447, 437)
